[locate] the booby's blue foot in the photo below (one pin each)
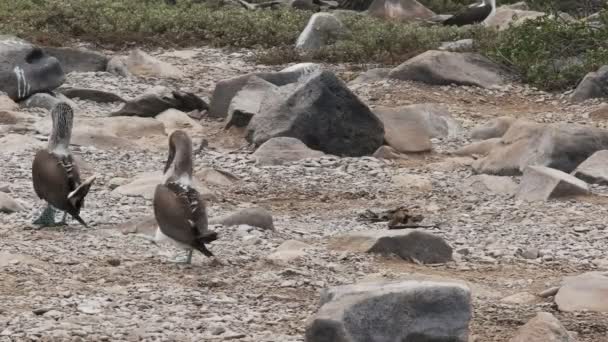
(183, 259)
(47, 218)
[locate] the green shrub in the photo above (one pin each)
(548, 53)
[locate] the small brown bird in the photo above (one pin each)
(178, 207)
(55, 174)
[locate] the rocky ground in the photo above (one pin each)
(73, 283)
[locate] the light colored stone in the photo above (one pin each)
(255, 217)
(145, 184)
(544, 327)
(17, 143)
(490, 184)
(9, 205)
(403, 10)
(281, 150)
(139, 63)
(212, 176)
(413, 182)
(594, 169)
(174, 119)
(540, 183)
(585, 292)
(508, 16)
(520, 298)
(409, 244)
(322, 30)
(288, 251)
(495, 128)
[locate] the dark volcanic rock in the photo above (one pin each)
(79, 60)
(26, 69)
(149, 105)
(322, 113)
(91, 95)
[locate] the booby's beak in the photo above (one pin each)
(171, 156)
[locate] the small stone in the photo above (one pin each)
(114, 262)
(520, 298)
(41, 311)
(217, 330)
(530, 253)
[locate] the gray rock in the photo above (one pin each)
(306, 5)
(371, 76)
(95, 95)
(47, 101)
(78, 59)
(322, 113)
(322, 29)
(16, 143)
(410, 128)
(585, 292)
(7, 104)
(9, 205)
(288, 251)
(225, 90)
(387, 152)
(544, 327)
(540, 183)
(404, 10)
(255, 217)
(594, 169)
(558, 146)
(26, 69)
(480, 148)
(397, 311)
(490, 184)
(409, 244)
(246, 103)
(445, 68)
(593, 85)
(494, 128)
(520, 298)
(277, 151)
(506, 17)
(303, 68)
(152, 104)
(145, 184)
(461, 45)
(139, 63)
(216, 177)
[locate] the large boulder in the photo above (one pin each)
(544, 327)
(405, 10)
(225, 90)
(558, 146)
(393, 311)
(322, 113)
(593, 85)
(445, 68)
(410, 128)
(246, 103)
(540, 183)
(26, 69)
(506, 17)
(174, 119)
(322, 29)
(594, 170)
(78, 60)
(281, 150)
(585, 292)
(409, 244)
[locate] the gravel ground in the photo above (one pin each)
(78, 284)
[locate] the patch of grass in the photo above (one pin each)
(548, 53)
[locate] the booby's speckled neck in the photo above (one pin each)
(61, 132)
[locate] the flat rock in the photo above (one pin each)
(413, 182)
(462, 45)
(494, 128)
(520, 298)
(403, 130)
(7, 259)
(322, 29)
(247, 102)
(16, 143)
(371, 76)
(78, 59)
(403, 10)
(593, 170)
(212, 176)
(592, 86)
(387, 152)
(490, 184)
(26, 69)
(8, 205)
(288, 251)
(139, 63)
(12, 118)
(409, 244)
(47, 101)
(558, 146)
(480, 148)
(393, 311)
(94, 95)
(540, 183)
(585, 292)
(445, 68)
(7, 104)
(255, 217)
(281, 150)
(174, 119)
(544, 327)
(322, 113)
(145, 184)
(506, 16)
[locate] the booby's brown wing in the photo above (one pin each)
(469, 15)
(51, 181)
(181, 215)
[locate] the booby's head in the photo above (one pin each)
(179, 163)
(63, 120)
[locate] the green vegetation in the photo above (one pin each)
(547, 53)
